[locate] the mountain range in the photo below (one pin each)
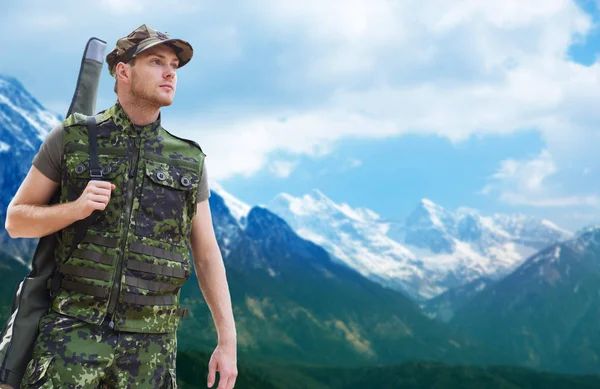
(318, 282)
(291, 299)
(546, 312)
(24, 124)
(432, 251)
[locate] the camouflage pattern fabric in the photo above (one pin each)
(143, 38)
(129, 268)
(73, 354)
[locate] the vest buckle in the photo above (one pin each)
(96, 174)
(53, 283)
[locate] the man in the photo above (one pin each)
(115, 297)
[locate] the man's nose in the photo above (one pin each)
(170, 73)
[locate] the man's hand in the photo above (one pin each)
(224, 360)
(95, 196)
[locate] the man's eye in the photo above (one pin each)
(156, 61)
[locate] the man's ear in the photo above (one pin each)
(123, 72)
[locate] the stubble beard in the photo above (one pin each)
(144, 96)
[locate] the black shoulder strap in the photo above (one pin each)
(81, 226)
(95, 171)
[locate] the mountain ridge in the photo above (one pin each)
(24, 123)
(432, 251)
(546, 312)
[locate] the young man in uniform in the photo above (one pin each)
(115, 297)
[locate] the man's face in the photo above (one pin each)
(154, 76)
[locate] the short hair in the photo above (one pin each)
(131, 63)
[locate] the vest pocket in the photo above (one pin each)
(166, 202)
(38, 373)
(76, 179)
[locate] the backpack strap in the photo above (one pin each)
(95, 171)
(81, 226)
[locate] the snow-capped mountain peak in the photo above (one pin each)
(367, 214)
(551, 225)
(24, 124)
(434, 210)
(23, 118)
(355, 237)
(587, 228)
(318, 195)
(431, 251)
(317, 202)
(238, 209)
(429, 214)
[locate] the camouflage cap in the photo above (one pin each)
(143, 38)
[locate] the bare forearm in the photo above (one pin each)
(213, 283)
(35, 221)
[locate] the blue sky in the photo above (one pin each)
(376, 103)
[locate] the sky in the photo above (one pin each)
(378, 104)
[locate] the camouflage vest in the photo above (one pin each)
(128, 269)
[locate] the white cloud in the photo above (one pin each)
(451, 69)
(282, 169)
(523, 182)
(59, 20)
(242, 147)
(527, 175)
(567, 201)
(440, 68)
(366, 69)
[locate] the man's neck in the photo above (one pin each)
(139, 114)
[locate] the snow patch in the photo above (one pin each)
(434, 211)
(549, 224)
(237, 208)
(362, 240)
(42, 121)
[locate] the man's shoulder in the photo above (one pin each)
(74, 119)
(190, 142)
(79, 119)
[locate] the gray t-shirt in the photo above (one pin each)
(48, 161)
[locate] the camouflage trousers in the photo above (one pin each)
(70, 353)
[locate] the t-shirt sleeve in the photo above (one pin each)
(49, 158)
(203, 190)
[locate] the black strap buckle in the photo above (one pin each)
(54, 283)
(96, 173)
(95, 170)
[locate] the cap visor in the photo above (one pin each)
(183, 49)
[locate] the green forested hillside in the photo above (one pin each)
(192, 371)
